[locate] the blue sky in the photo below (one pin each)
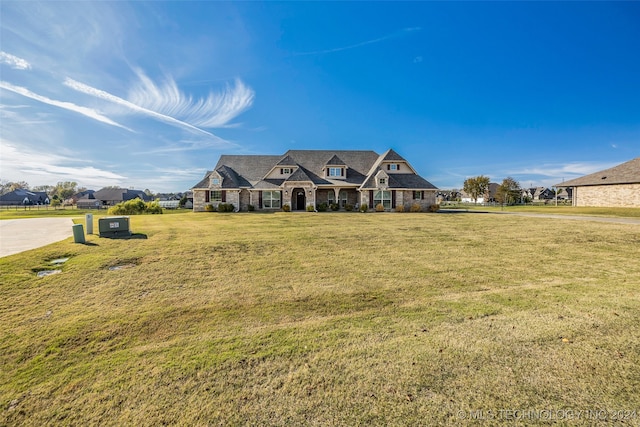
(149, 94)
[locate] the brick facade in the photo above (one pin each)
(620, 195)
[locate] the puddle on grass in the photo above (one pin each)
(121, 267)
(58, 261)
(44, 273)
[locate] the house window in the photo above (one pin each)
(382, 181)
(330, 197)
(417, 195)
(286, 171)
(343, 198)
(216, 196)
(271, 199)
(382, 197)
(393, 167)
(215, 181)
(335, 171)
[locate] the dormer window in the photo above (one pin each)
(393, 167)
(215, 181)
(382, 181)
(286, 171)
(336, 172)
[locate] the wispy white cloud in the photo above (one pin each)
(393, 35)
(101, 94)
(572, 169)
(217, 110)
(88, 112)
(14, 61)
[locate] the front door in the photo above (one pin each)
(300, 200)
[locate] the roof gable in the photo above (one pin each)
(335, 161)
(391, 155)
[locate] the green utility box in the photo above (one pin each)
(78, 233)
(114, 226)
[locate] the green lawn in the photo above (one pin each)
(552, 209)
(325, 319)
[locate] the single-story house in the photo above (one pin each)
(618, 186)
(74, 199)
(109, 197)
(303, 178)
(24, 197)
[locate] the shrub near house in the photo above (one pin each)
(135, 207)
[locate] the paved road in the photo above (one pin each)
(19, 235)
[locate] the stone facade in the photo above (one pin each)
(620, 195)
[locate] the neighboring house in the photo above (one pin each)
(24, 197)
(488, 197)
(109, 197)
(538, 194)
(74, 199)
(618, 186)
(303, 178)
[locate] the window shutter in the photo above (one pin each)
(260, 200)
(207, 196)
(341, 171)
(327, 171)
(224, 196)
(398, 167)
(371, 199)
(388, 167)
(393, 199)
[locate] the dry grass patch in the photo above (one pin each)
(335, 319)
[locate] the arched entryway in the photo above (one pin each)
(299, 199)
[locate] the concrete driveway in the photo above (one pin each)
(19, 235)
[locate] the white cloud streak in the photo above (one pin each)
(14, 61)
(88, 112)
(88, 90)
(393, 35)
(573, 169)
(217, 110)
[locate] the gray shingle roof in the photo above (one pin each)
(401, 180)
(20, 194)
(335, 161)
(392, 155)
(253, 168)
(625, 173)
(231, 179)
(204, 182)
(286, 161)
(301, 174)
(119, 194)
